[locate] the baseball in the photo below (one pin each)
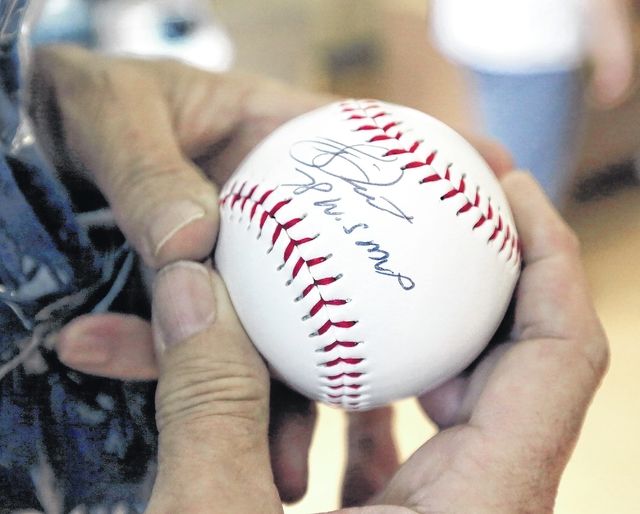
(369, 251)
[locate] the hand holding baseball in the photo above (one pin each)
(212, 401)
(512, 429)
(514, 422)
(157, 138)
(516, 418)
(190, 115)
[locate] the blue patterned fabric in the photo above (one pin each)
(96, 435)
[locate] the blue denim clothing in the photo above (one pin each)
(97, 435)
(539, 118)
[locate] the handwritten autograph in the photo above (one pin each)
(359, 167)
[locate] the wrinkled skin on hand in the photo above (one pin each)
(157, 139)
(509, 427)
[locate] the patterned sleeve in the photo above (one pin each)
(66, 439)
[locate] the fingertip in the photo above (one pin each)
(290, 457)
(520, 176)
(191, 238)
(290, 432)
(498, 157)
(184, 304)
(77, 347)
(108, 345)
(443, 404)
(372, 458)
(522, 188)
(226, 311)
(291, 483)
(541, 228)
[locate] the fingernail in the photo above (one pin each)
(183, 303)
(83, 349)
(175, 217)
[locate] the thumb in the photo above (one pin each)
(111, 117)
(211, 401)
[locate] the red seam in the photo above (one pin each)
(281, 228)
(344, 344)
(348, 386)
(369, 123)
(345, 360)
(344, 375)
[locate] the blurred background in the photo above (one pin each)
(582, 122)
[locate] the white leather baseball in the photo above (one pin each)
(369, 252)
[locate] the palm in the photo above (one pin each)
(514, 420)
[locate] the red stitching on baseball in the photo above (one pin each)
(345, 375)
(321, 303)
(344, 344)
(328, 324)
(369, 123)
(274, 210)
(338, 396)
(348, 360)
(281, 228)
(316, 283)
(348, 386)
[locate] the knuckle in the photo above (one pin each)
(110, 76)
(564, 239)
(200, 389)
(145, 173)
(171, 67)
(593, 355)
(598, 356)
(152, 175)
(572, 241)
(143, 177)
(79, 74)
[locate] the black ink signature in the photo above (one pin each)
(382, 258)
(310, 185)
(357, 165)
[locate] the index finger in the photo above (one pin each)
(536, 397)
(553, 298)
(111, 118)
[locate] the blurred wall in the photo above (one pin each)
(381, 48)
(350, 47)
